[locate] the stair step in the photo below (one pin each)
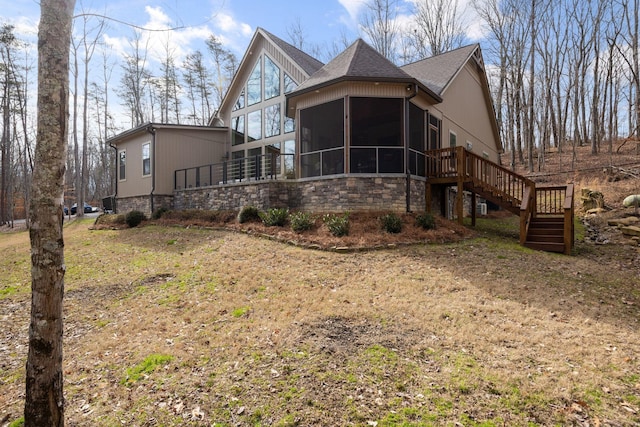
(546, 246)
(534, 231)
(546, 238)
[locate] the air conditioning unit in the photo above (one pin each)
(481, 208)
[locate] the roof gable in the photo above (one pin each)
(438, 71)
(307, 62)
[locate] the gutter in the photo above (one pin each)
(414, 91)
(152, 131)
(115, 178)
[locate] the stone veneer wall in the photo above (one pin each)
(337, 194)
(143, 203)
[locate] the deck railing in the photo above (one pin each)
(456, 165)
(446, 163)
(252, 168)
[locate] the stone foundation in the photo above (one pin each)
(143, 203)
(337, 194)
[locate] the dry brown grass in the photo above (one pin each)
(477, 332)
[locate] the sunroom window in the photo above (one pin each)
(376, 135)
(322, 139)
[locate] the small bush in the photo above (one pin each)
(134, 218)
(426, 221)
(338, 224)
(275, 217)
(157, 214)
(301, 221)
(391, 223)
(248, 214)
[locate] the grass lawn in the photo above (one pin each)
(191, 326)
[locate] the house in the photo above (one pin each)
(293, 132)
(149, 156)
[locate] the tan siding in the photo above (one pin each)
(184, 148)
(464, 111)
(352, 89)
(134, 184)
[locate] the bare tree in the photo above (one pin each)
(196, 79)
(439, 27)
(380, 26)
(134, 81)
(44, 399)
(225, 64)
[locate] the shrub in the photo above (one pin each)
(157, 214)
(275, 217)
(301, 221)
(391, 223)
(248, 213)
(426, 221)
(338, 224)
(134, 218)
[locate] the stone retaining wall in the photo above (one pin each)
(337, 194)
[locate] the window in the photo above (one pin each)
(272, 120)
(254, 126)
(271, 79)
(376, 122)
(289, 125)
(146, 159)
(452, 139)
(122, 165)
(254, 85)
(289, 84)
(376, 135)
(239, 102)
(434, 132)
(236, 167)
(289, 152)
(254, 162)
(322, 139)
(237, 130)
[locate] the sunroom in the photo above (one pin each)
(365, 135)
(360, 114)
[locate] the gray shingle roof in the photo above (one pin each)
(307, 62)
(437, 71)
(358, 62)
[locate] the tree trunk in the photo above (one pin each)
(44, 400)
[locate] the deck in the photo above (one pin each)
(546, 212)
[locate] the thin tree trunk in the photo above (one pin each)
(44, 400)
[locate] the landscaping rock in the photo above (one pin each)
(617, 222)
(630, 230)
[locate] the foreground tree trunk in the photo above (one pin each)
(44, 401)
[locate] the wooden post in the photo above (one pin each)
(459, 151)
(473, 209)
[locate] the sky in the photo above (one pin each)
(232, 21)
(324, 24)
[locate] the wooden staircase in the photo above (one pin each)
(546, 212)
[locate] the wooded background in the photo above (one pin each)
(562, 74)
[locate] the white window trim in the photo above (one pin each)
(125, 165)
(143, 159)
(456, 137)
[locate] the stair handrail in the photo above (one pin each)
(502, 180)
(527, 211)
(569, 231)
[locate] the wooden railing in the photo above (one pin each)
(482, 176)
(449, 164)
